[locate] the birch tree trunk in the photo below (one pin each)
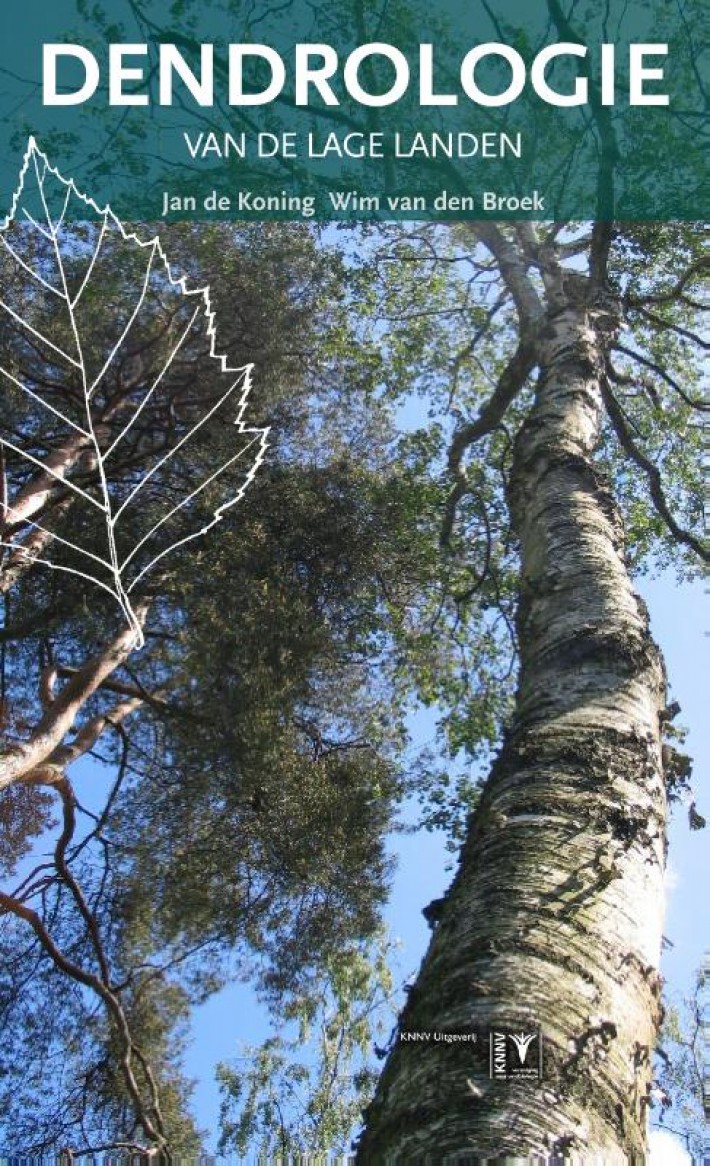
(554, 919)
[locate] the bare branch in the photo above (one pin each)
(66, 793)
(510, 383)
(89, 733)
(153, 1128)
(693, 402)
(102, 819)
(652, 473)
(22, 758)
(23, 557)
(667, 325)
(33, 498)
(47, 684)
(695, 268)
(122, 689)
(514, 275)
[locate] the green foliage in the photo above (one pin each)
(60, 1062)
(305, 1093)
(681, 1066)
(242, 831)
(657, 368)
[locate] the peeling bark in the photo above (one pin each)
(554, 918)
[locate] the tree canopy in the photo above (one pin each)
(249, 752)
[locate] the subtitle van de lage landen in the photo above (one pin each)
(356, 144)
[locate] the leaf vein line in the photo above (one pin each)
(60, 220)
(92, 261)
(154, 386)
(62, 567)
(217, 516)
(90, 390)
(43, 339)
(203, 420)
(30, 218)
(59, 538)
(113, 553)
(181, 505)
(45, 404)
(18, 259)
(47, 470)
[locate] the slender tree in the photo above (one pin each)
(554, 919)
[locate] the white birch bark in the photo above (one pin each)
(554, 918)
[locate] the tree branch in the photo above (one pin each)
(669, 325)
(514, 274)
(509, 385)
(491, 414)
(137, 690)
(21, 759)
(652, 473)
(33, 498)
(152, 1129)
(66, 793)
(89, 733)
(603, 228)
(24, 555)
(699, 265)
(693, 402)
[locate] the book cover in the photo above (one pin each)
(353, 437)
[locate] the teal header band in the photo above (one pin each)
(334, 109)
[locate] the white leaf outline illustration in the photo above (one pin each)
(34, 157)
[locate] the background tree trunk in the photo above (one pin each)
(554, 919)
